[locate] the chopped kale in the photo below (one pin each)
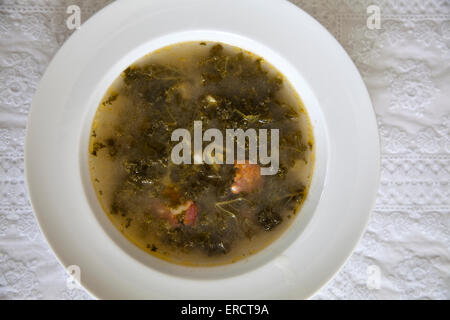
(96, 147)
(110, 99)
(269, 218)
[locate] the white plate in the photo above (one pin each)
(345, 179)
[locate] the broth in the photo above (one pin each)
(198, 214)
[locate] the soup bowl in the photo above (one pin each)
(345, 177)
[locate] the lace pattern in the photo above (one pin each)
(405, 67)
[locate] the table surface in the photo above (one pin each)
(404, 254)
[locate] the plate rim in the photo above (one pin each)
(28, 165)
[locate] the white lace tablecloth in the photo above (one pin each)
(406, 66)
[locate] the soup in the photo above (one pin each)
(200, 212)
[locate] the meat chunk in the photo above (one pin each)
(190, 215)
(164, 212)
(247, 178)
(181, 208)
(171, 214)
